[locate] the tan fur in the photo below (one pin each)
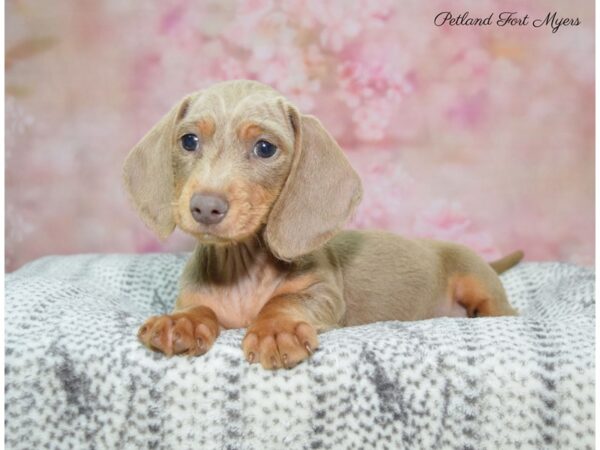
(236, 294)
(278, 263)
(206, 127)
(191, 331)
(505, 263)
(319, 195)
(250, 131)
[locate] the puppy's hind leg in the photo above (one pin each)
(478, 297)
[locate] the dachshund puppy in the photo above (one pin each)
(266, 190)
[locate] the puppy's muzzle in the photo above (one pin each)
(208, 209)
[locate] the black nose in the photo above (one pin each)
(208, 209)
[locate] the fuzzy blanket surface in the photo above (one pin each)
(76, 376)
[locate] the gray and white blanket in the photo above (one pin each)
(76, 376)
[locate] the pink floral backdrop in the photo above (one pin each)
(480, 135)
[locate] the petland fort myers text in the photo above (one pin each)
(552, 20)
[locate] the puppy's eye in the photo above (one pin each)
(189, 142)
(264, 149)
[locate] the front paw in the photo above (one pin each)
(190, 332)
(279, 343)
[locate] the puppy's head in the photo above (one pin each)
(237, 159)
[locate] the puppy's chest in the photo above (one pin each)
(237, 303)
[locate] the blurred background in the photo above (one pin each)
(479, 135)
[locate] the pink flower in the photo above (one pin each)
(341, 22)
(372, 83)
(171, 19)
(387, 193)
(468, 112)
(230, 69)
(446, 221)
(372, 118)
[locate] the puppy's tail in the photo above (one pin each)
(510, 260)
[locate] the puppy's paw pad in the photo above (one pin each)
(283, 344)
(179, 333)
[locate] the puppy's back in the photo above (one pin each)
(387, 277)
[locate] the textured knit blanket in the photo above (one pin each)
(76, 376)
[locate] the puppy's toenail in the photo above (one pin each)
(284, 359)
(251, 357)
(308, 349)
(274, 362)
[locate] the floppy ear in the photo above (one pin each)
(148, 173)
(319, 195)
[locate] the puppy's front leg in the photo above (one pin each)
(189, 330)
(285, 331)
